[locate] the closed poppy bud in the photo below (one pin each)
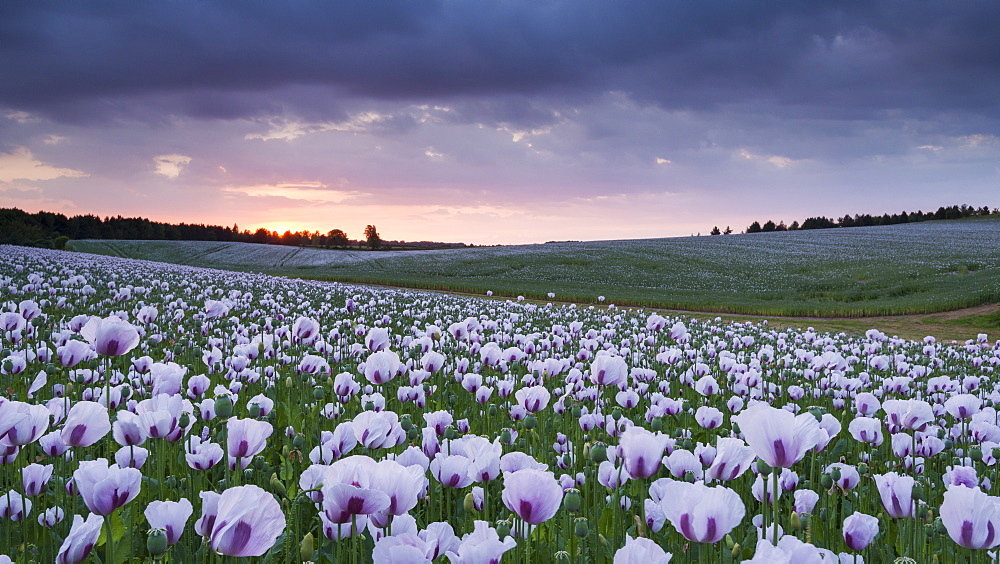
(299, 441)
(156, 542)
(576, 411)
(730, 543)
(530, 422)
(656, 424)
(184, 420)
(796, 522)
(492, 411)
(736, 552)
(412, 433)
(306, 548)
(277, 486)
(975, 453)
(599, 453)
(505, 436)
(318, 393)
(572, 501)
(826, 481)
(765, 469)
(289, 383)
(224, 407)
(581, 527)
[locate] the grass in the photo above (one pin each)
(850, 272)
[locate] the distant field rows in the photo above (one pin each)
(865, 271)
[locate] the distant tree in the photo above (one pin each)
(372, 238)
(728, 231)
(781, 226)
(754, 227)
(715, 231)
(337, 238)
(794, 226)
(768, 227)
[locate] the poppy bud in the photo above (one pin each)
(530, 422)
(450, 433)
(184, 420)
(576, 412)
(572, 501)
(254, 410)
(306, 548)
(826, 481)
(156, 542)
(299, 441)
(277, 486)
(736, 552)
(318, 393)
(505, 436)
(492, 410)
(796, 522)
(503, 529)
(835, 474)
(975, 453)
(581, 527)
(223, 407)
(765, 469)
(412, 433)
(616, 413)
(599, 453)
(656, 424)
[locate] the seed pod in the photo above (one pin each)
(530, 422)
(223, 407)
(599, 452)
(581, 527)
(572, 500)
(156, 542)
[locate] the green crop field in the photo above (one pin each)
(849, 272)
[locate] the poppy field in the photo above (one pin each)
(161, 413)
(849, 272)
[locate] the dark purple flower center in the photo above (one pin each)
(779, 454)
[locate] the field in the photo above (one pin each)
(155, 412)
(855, 272)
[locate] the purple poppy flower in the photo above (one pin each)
(128, 430)
(343, 501)
(14, 507)
(608, 370)
(22, 423)
(209, 510)
(779, 437)
(452, 471)
(203, 455)
(305, 331)
(131, 456)
(169, 516)
(533, 495)
(34, 477)
(51, 517)
(971, 517)
(860, 530)
(382, 366)
(533, 398)
(483, 544)
(110, 336)
(402, 484)
(732, 458)
(74, 352)
(701, 513)
(247, 437)
(105, 488)
(247, 523)
(86, 423)
(81, 539)
(642, 451)
(641, 551)
(896, 492)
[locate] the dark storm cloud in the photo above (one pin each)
(80, 61)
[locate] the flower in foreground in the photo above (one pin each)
(483, 544)
(701, 513)
(779, 437)
(971, 517)
(86, 423)
(860, 530)
(105, 488)
(897, 494)
(642, 451)
(81, 539)
(533, 495)
(641, 551)
(169, 516)
(110, 336)
(247, 522)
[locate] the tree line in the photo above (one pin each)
(54, 230)
(862, 220)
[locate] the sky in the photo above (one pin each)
(498, 122)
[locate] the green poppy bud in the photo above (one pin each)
(469, 503)
(277, 486)
(299, 441)
(826, 481)
(764, 468)
(505, 436)
(254, 410)
(184, 420)
(412, 433)
(573, 501)
(306, 548)
(581, 527)
(576, 412)
(156, 542)
(318, 393)
(656, 424)
(503, 529)
(223, 407)
(616, 413)
(492, 410)
(975, 453)
(530, 422)
(599, 452)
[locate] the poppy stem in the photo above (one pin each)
(774, 502)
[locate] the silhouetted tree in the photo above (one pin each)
(715, 231)
(337, 238)
(728, 231)
(768, 227)
(754, 228)
(372, 237)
